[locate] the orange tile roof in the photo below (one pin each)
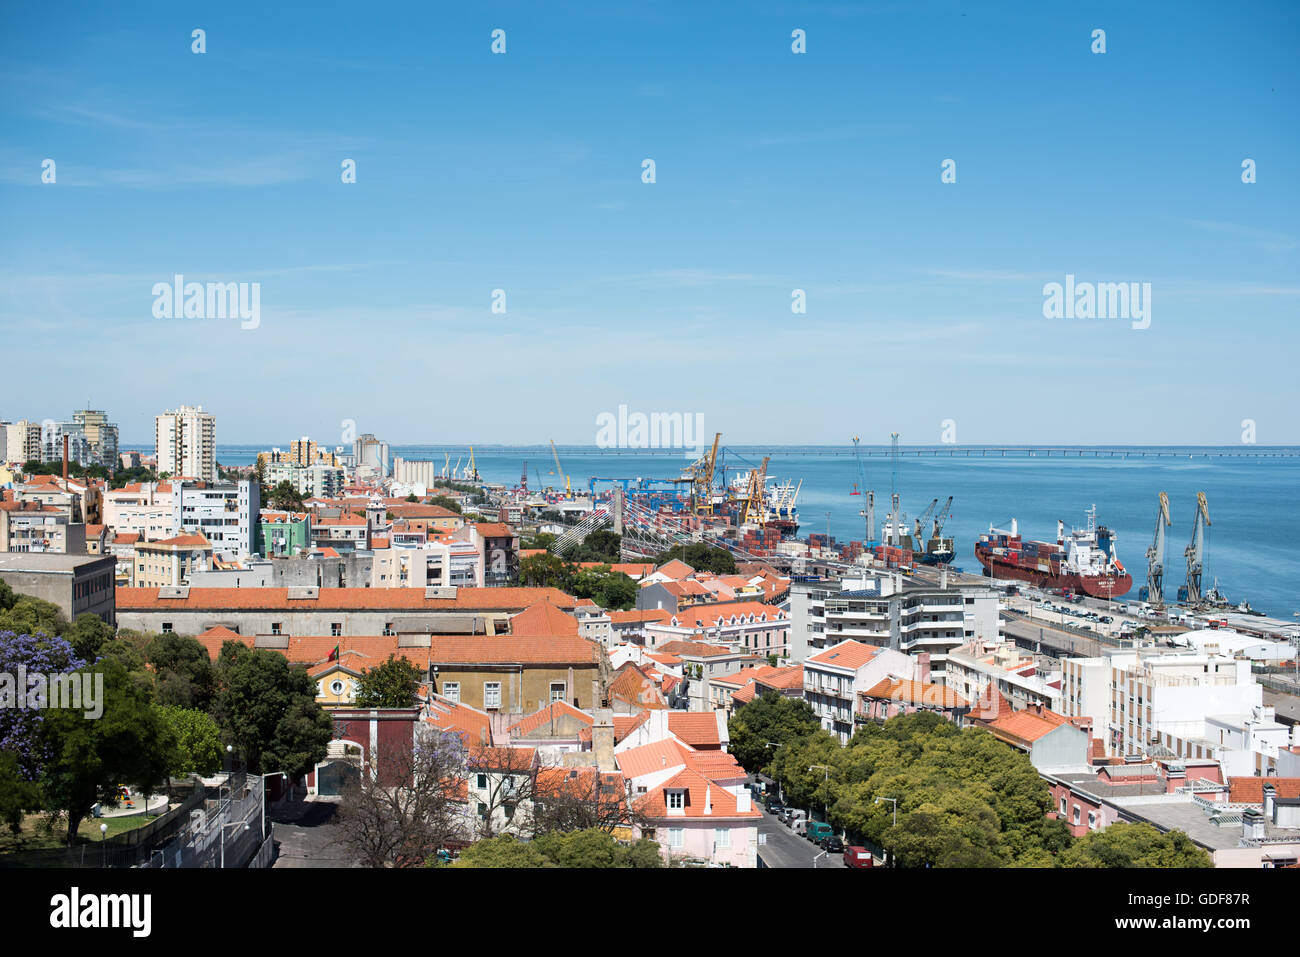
(1250, 790)
(502, 759)
(548, 716)
(783, 679)
(639, 615)
(633, 685)
(676, 568)
(696, 649)
(543, 618)
(473, 726)
(696, 728)
(916, 692)
(185, 541)
(346, 599)
(847, 654)
(625, 724)
(745, 694)
(510, 649)
(495, 530)
(700, 792)
(651, 758)
(414, 510)
(706, 616)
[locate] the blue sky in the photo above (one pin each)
(775, 171)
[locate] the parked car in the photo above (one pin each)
(799, 825)
(832, 845)
(784, 814)
(819, 830)
(858, 857)
(797, 817)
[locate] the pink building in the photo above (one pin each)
(696, 820)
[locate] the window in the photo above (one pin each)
(451, 690)
(674, 837)
(336, 629)
(676, 800)
(509, 810)
(491, 695)
(1076, 814)
(481, 782)
(167, 626)
(557, 691)
(721, 837)
(336, 686)
(482, 809)
(275, 627)
(1092, 820)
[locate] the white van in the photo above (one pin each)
(798, 821)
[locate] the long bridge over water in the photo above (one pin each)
(951, 451)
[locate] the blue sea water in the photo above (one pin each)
(1253, 501)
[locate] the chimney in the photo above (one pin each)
(708, 799)
(602, 739)
(1252, 825)
(743, 798)
(1270, 795)
(943, 578)
(65, 460)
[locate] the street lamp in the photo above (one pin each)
(103, 838)
(895, 802)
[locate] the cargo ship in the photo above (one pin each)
(1084, 561)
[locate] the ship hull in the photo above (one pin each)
(1098, 586)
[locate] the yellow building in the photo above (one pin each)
(170, 562)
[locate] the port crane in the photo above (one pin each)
(942, 518)
(923, 521)
(868, 510)
(754, 507)
(523, 478)
(895, 517)
(1195, 551)
(568, 489)
(471, 470)
(1156, 556)
(701, 475)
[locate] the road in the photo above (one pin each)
(784, 848)
(306, 834)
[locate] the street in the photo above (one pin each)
(305, 835)
(784, 848)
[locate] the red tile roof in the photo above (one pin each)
(473, 726)
(847, 654)
(625, 724)
(543, 618)
(699, 729)
(916, 693)
(495, 530)
(548, 716)
(344, 599)
(511, 649)
(638, 615)
(502, 759)
(1250, 790)
(703, 799)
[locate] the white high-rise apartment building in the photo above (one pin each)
(186, 443)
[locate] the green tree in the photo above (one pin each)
(18, 796)
(29, 615)
(269, 711)
(546, 571)
(769, 717)
(447, 503)
(1135, 845)
(573, 849)
(88, 634)
(128, 744)
(285, 497)
(197, 738)
(702, 557)
(393, 684)
(184, 674)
